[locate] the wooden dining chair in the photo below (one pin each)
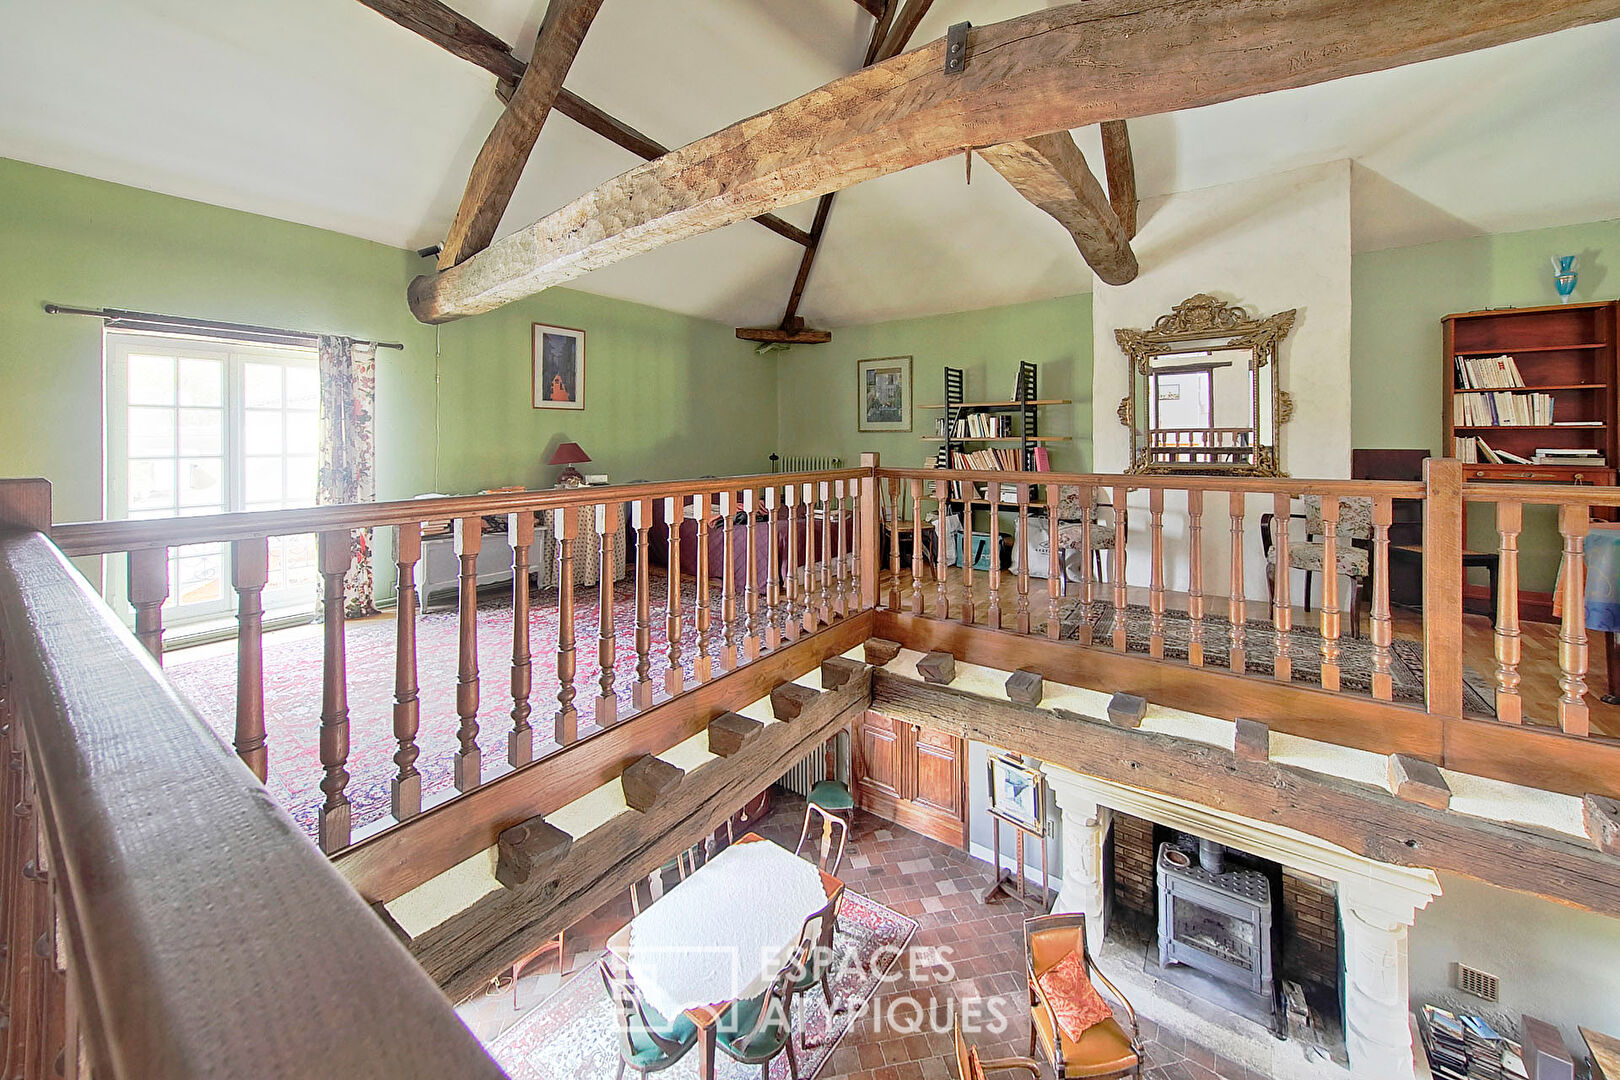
(834, 836)
(1103, 1049)
(969, 1067)
(685, 864)
(756, 1031)
(816, 947)
(648, 1043)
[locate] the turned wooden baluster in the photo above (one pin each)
(1383, 627)
(993, 542)
(566, 519)
(148, 590)
(773, 593)
(250, 571)
(1282, 586)
(917, 579)
(703, 665)
(840, 606)
(1088, 512)
(824, 606)
(674, 514)
(1054, 565)
(469, 540)
(1330, 592)
(941, 552)
(967, 552)
(1156, 573)
(1236, 608)
(1509, 705)
(1117, 568)
(894, 544)
(1021, 546)
(405, 789)
(332, 830)
(751, 581)
(812, 614)
(790, 574)
(1195, 577)
(1573, 522)
(728, 590)
(520, 740)
(607, 529)
(641, 519)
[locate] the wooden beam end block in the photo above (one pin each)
(1127, 710)
(528, 847)
(937, 667)
(729, 731)
(1415, 780)
(837, 671)
(649, 779)
(1602, 816)
(880, 651)
(1026, 687)
(1252, 742)
(791, 699)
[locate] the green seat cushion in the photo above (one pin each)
(739, 1020)
(832, 795)
(645, 1052)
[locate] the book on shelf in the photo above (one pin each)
(982, 426)
(1043, 459)
(1488, 372)
(1502, 410)
(1554, 455)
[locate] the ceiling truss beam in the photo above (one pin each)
(1121, 170)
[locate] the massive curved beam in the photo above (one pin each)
(1047, 71)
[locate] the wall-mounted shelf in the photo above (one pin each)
(1009, 439)
(997, 404)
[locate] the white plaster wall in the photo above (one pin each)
(1554, 962)
(1270, 244)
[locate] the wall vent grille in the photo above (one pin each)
(1478, 983)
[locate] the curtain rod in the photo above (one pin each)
(148, 320)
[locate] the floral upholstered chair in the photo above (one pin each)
(1071, 534)
(1355, 523)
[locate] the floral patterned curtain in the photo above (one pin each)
(348, 450)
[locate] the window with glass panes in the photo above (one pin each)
(203, 427)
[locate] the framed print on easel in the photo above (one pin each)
(559, 367)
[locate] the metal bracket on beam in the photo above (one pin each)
(956, 48)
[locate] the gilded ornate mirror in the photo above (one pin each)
(1204, 391)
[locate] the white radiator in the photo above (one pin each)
(812, 769)
(807, 463)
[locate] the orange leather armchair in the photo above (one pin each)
(969, 1067)
(1104, 1049)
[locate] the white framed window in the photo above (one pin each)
(196, 426)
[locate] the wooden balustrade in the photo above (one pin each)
(405, 790)
(469, 540)
(520, 740)
(335, 553)
(250, 572)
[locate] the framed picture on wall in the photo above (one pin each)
(1017, 793)
(559, 367)
(884, 393)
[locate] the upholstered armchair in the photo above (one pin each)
(970, 1067)
(1355, 523)
(1103, 1049)
(1071, 517)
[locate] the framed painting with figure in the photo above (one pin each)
(559, 367)
(885, 394)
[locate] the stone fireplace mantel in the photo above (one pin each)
(1378, 901)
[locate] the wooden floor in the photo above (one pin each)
(1538, 666)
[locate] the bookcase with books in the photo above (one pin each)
(1530, 393)
(1001, 435)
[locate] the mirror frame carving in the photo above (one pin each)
(1204, 318)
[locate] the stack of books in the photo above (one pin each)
(1444, 1040)
(982, 426)
(1005, 458)
(1471, 450)
(1466, 1047)
(1503, 409)
(1553, 455)
(1484, 1049)
(1488, 372)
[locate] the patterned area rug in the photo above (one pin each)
(572, 1034)
(292, 691)
(1304, 648)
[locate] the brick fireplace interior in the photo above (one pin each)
(1304, 918)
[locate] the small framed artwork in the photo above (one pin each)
(885, 393)
(559, 367)
(1017, 793)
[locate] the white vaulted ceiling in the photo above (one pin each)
(323, 112)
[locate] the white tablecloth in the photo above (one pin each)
(724, 932)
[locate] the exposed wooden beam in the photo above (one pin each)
(818, 227)
(775, 335)
(899, 33)
(462, 37)
(1051, 172)
(1121, 170)
(500, 162)
(1050, 70)
(1359, 817)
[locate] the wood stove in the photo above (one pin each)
(1215, 920)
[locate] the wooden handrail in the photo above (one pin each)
(202, 936)
(1399, 489)
(105, 537)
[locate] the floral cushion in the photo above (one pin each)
(1355, 517)
(1308, 555)
(1070, 536)
(1073, 1000)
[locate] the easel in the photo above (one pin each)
(1012, 882)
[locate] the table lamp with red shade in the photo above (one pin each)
(568, 455)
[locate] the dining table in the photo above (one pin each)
(723, 934)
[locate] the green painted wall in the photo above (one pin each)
(1397, 300)
(816, 398)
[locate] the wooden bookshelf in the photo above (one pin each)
(1566, 351)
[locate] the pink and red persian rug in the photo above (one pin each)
(572, 1034)
(292, 691)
